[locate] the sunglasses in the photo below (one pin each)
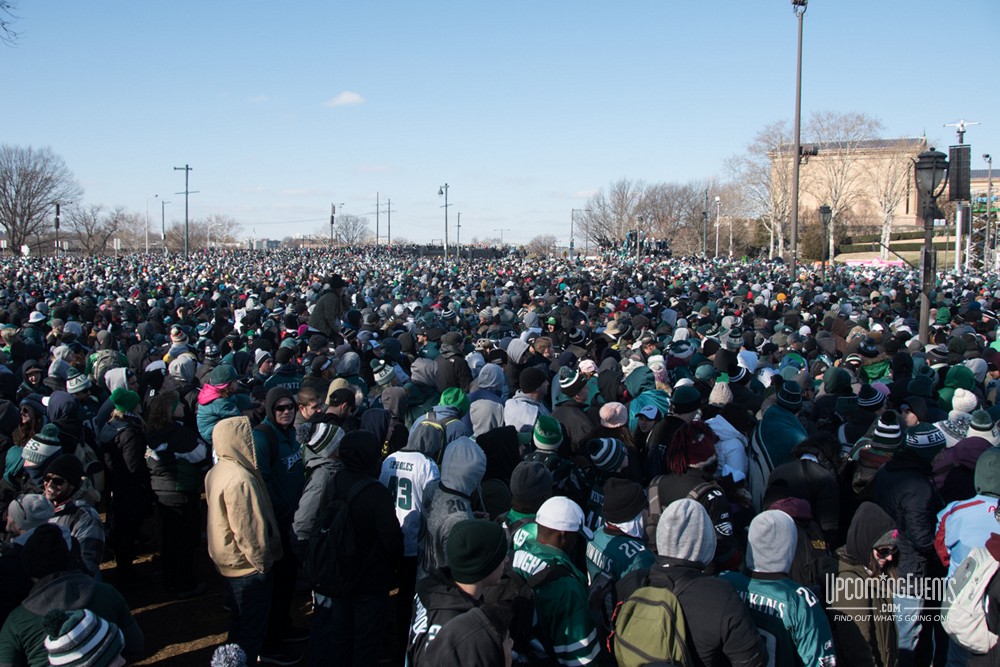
(285, 407)
(52, 480)
(885, 552)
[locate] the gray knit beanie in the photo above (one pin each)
(685, 532)
(772, 541)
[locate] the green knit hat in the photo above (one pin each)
(475, 549)
(456, 398)
(548, 433)
(124, 400)
(82, 638)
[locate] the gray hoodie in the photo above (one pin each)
(449, 500)
(772, 542)
(685, 532)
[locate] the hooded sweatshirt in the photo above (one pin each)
(449, 500)
(22, 639)
(860, 636)
(279, 458)
(243, 535)
(470, 640)
(781, 608)
(438, 601)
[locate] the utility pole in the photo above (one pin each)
(376, 217)
(443, 190)
(458, 236)
(799, 8)
(501, 234)
(187, 191)
(57, 231)
(163, 225)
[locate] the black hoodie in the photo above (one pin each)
(438, 600)
(373, 512)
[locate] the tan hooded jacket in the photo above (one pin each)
(243, 535)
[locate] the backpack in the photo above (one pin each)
(698, 493)
(333, 556)
(649, 626)
(104, 361)
(441, 425)
(964, 617)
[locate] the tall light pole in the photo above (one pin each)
(987, 254)
(214, 224)
(718, 223)
(443, 190)
(799, 8)
(163, 225)
(501, 234)
(931, 172)
(148, 199)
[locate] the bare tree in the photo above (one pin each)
(91, 228)
(763, 175)
(351, 229)
(542, 245)
(610, 217)
(8, 35)
(833, 177)
(890, 173)
(32, 182)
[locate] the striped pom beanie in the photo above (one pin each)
(607, 454)
(81, 638)
(888, 432)
(871, 398)
(790, 396)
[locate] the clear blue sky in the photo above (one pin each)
(524, 108)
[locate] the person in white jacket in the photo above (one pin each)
(731, 449)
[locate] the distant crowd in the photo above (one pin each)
(503, 461)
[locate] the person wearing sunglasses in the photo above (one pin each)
(279, 459)
(862, 636)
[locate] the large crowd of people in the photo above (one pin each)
(511, 460)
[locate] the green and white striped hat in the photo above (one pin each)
(81, 639)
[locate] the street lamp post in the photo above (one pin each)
(214, 224)
(799, 8)
(148, 199)
(443, 190)
(825, 214)
(931, 172)
(987, 250)
(718, 214)
(163, 225)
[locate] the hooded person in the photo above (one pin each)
(781, 608)
(358, 638)
(243, 535)
(452, 368)
(490, 384)
(220, 398)
(58, 585)
(422, 392)
(476, 555)
(396, 403)
(903, 488)
(448, 500)
(860, 637)
(780, 429)
(717, 620)
(279, 461)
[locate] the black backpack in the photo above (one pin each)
(334, 558)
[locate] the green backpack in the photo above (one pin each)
(649, 626)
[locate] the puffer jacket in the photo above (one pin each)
(213, 410)
(243, 535)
